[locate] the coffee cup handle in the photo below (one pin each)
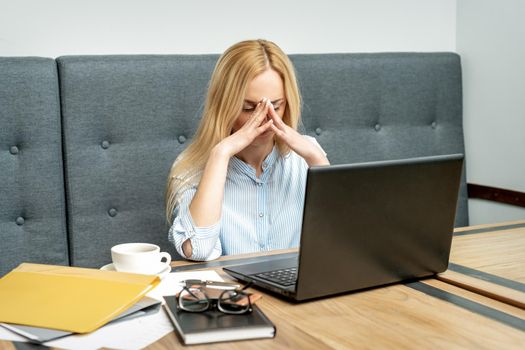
(167, 256)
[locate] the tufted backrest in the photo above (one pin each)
(365, 107)
(32, 210)
(125, 120)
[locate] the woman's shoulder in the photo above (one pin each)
(310, 138)
(314, 141)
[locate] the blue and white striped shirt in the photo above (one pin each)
(258, 214)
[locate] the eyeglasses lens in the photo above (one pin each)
(193, 299)
(234, 302)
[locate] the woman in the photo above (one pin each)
(239, 186)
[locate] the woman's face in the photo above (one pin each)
(267, 84)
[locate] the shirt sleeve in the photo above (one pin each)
(314, 141)
(205, 241)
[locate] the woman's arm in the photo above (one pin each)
(204, 240)
(312, 154)
(206, 206)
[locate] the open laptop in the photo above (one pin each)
(366, 225)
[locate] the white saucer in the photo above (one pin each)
(162, 273)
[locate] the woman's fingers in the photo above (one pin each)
(259, 115)
(275, 117)
(278, 132)
(264, 127)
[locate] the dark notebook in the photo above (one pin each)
(214, 326)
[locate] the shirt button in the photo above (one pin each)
(13, 150)
(264, 165)
(259, 184)
(261, 215)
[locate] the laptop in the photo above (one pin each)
(366, 225)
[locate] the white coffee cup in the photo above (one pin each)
(145, 258)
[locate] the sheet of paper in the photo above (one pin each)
(171, 285)
(133, 334)
(11, 336)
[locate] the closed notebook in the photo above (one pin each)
(214, 326)
(67, 298)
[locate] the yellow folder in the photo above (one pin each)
(68, 298)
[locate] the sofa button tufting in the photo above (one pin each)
(377, 127)
(112, 212)
(13, 150)
(20, 221)
(434, 124)
(318, 131)
(105, 144)
(182, 139)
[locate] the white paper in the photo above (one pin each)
(136, 333)
(171, 284)
(10, 336)
(133, 334)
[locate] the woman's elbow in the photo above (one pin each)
(198, 252)
(187, 249)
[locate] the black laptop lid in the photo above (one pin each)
(376, 223)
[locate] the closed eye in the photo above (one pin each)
(250, 106)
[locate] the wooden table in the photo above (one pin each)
(430, 313)
(490, 260)
(424, 314)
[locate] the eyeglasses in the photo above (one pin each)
(195, 299)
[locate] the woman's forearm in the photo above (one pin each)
(206, 206)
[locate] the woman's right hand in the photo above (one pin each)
(206, 205)
(257, 124)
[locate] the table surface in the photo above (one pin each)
(431, 313)
(490, 260)
(428, 313)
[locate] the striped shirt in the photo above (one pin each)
(258, 213)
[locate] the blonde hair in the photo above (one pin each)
(237, 66)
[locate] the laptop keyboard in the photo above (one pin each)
(285, 277)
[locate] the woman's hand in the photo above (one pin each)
(297, 142)
(257, 124)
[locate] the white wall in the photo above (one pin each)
(491, 42)
(63, 27)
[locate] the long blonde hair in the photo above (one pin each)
(237, 66)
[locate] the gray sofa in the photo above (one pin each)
(87, 141)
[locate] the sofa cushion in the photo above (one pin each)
(125, 119)
(380, 106)
(32, 208)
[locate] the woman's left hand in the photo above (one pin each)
(297, 142)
